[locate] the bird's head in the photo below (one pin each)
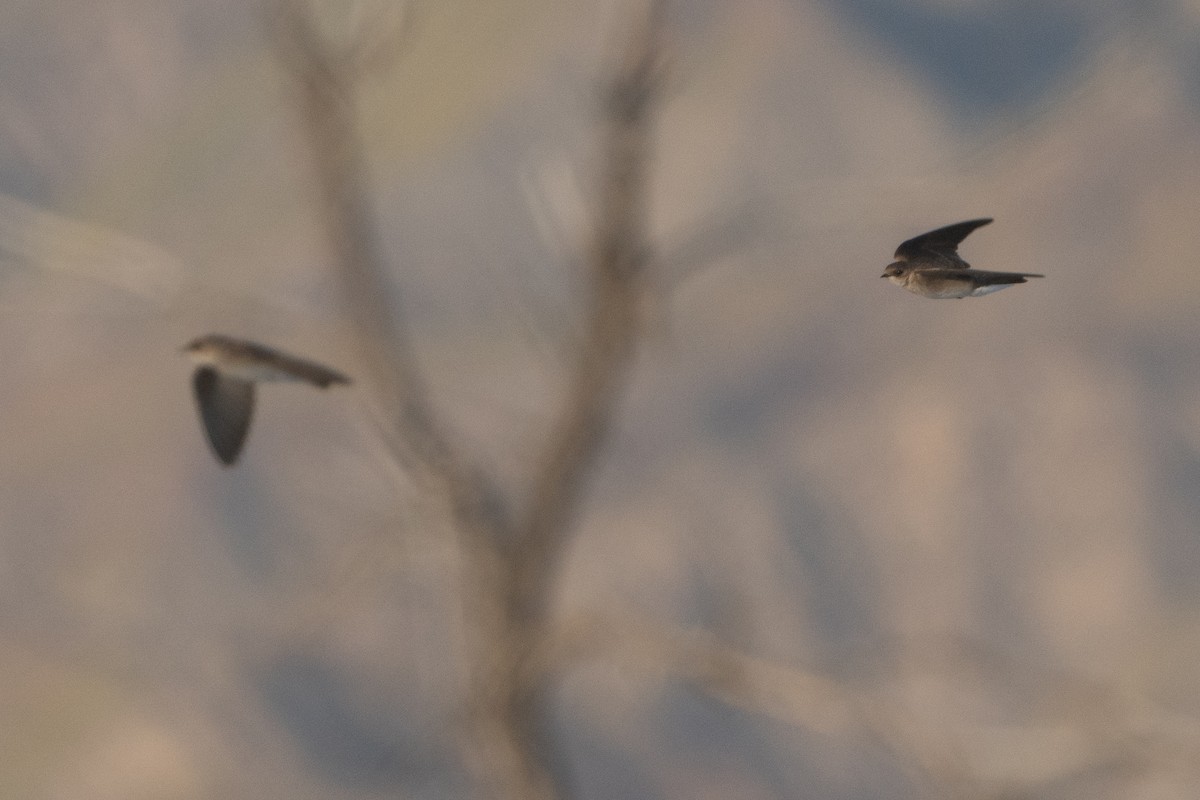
(203, 349)
(896, 271)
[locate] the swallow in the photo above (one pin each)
(226, 371)
(929, 265)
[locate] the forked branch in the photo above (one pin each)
(617, 258)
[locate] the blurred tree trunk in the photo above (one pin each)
(511, 547)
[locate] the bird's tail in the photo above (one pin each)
(1000, 278)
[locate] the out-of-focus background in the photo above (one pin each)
(985, 514)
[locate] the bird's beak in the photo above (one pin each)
(884, 275)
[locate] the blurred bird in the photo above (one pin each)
(223, 382)
(929, 265)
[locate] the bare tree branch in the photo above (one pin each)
(508, 566)
(616, 261)
(513, 693)
(327, 84)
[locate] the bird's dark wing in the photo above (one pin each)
(976, 277)
(314, 373)
(986, 278)
(941, 242)
(226, 405)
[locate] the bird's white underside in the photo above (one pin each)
(982, 290)
(949, 293)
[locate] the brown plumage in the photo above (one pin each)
(929, 265)
(223, 384)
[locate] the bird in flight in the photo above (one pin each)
(226, 371)
(929, 265)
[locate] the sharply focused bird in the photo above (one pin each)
(929, 265)
(226, 371)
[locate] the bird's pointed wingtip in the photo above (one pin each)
(331, 378)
